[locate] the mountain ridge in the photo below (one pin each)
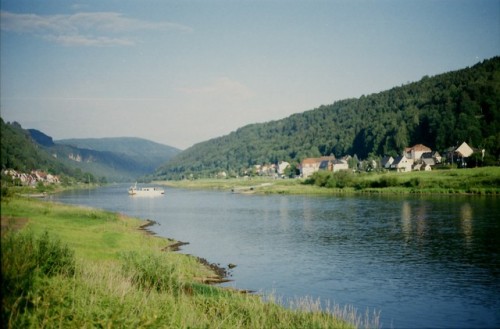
(439, 111)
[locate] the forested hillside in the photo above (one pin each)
(20, 152)
(439, 112)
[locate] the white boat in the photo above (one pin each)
(145, 191)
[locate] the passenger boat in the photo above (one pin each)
(145, 191)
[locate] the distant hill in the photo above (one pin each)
(118, 159)
(148, 153)
(438, 111)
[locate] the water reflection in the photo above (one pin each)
(414, 217)
(466, 216)
(284, 215)
(406, 219)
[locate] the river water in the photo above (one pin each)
(420, 261)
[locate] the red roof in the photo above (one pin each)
(418, 147)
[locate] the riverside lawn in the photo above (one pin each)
(480, 181)
(96, 269)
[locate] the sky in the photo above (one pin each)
(182, 72)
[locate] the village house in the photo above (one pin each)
(464, 150)
(431, 158)
(386, 162)
(338, 165)
(282, 165)
(309, 166)
(32, 178)
(417, 157)
(402, 164)
(415, 152)
(265, 169)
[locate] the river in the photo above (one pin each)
(419, 261)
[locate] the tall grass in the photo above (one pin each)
(51, 280)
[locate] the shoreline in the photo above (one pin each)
(221, 274)
(484, 181)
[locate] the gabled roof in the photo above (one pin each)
(397, 160)
(418, 148)
(310, 161)
(464, 150)
(317, 160)
(386, 159)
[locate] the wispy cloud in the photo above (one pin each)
(84, 29)
(224, 88)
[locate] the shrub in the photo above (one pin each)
(319, 178)
(343, 178)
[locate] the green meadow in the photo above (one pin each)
(478, 181)
(75, 267)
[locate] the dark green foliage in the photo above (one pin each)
(340, 179)
(439, 112)
(385, 181)
(25, 259)
(20, 152)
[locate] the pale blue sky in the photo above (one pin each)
(181, 72)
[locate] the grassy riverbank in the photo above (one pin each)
(480, 181)
(97, 269)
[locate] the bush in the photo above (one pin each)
(329, 179)
(319, 178)
(342, 179)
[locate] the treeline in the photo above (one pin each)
(20, 152)
(440, 112)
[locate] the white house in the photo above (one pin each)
(415, 152)
(282, 165)
(402, 164)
